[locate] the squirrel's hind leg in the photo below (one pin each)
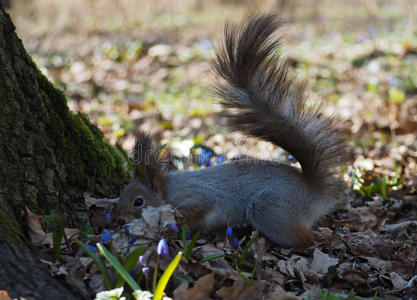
(278, 224)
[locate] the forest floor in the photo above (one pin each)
(128, 70)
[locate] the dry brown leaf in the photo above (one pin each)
(200, 291)
(154, 221)
(281, 294)
(379, 264)
(241, 291)
(322, 262)
(36, 233)
(355, 276)
(397, 282)
(71, 233)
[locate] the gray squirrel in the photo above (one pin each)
(263, 99)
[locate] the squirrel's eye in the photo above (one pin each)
(138, 201)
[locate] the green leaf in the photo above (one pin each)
(163, 281)
(245, 279)
(129, 263)
(191, 245)
(242, 258)
(119, 268)
(57, 235)
(184, 238)
(99, 263)
(212, 257)
(162, 147)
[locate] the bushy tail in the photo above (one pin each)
(270, 102)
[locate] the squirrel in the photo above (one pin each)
(262, 99)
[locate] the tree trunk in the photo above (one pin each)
(48, 157)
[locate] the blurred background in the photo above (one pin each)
(133, 64)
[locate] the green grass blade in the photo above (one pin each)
(245, 279)
(163, 281)
(184, 238)
(191, 245)
(57, 236)
(130, 262)
(99, 263)
(119, 268)
(212, 257)
(242, 258)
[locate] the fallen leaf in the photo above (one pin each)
(397, 282)
(154, 221)
(200, 291)
(36, 233)
(281, 294)
(379, 264)
(322, 262)
(241, 291)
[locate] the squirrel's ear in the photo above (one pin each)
(143, 148)
(141, 156)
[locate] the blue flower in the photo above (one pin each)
(145, 270)
(126, 230)
(133, 239)
(220, 159)
(108, 217)
(394, 81)
(163, 248)
(142, 260)
(174, 227)
(204, 158)
(229, 231)
(91, 248)
(105, 237)
(235, 243)
(188, 234)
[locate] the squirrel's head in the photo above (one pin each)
(148, 184)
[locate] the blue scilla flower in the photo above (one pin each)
(163, 248)
(235, 243)
(204, 159)
(394, 81)
(133, 239)
(174, 227)
(145, 270)
(105, 237)
(91, 248)
(108, 217)
(229, 231)
(220, 159)
(126, 230)
(188, 234)
(142, 260)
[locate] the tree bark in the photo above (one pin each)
(49, 156)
